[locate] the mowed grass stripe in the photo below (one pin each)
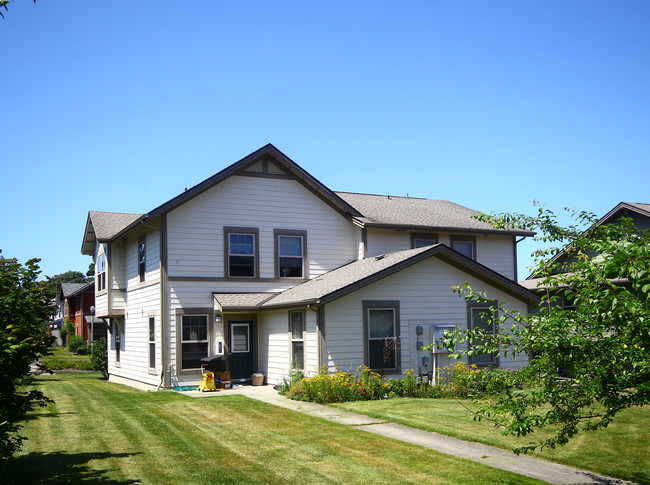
(121, 435)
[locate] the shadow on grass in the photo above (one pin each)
(58, 467)
(35, 415)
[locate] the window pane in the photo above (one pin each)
(195, 327)
(242, 244)
(290, 246)
(381, 355)
(291, 267)
(298, 353)
(380, 323)
(242, 266)
(152, 356)
(465, 247)
(296, 326)
(141, 252)
(239, 338)
(193, 353)
(152, 330)
(420, 243)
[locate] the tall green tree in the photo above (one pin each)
(587, 363)
(24, 337)
(72, 277)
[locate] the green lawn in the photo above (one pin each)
(103, 432)
(622, 450)
(60, 358)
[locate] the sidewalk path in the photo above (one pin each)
(487, 455)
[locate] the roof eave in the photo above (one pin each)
(507, 232)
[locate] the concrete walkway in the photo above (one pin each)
(487, 455)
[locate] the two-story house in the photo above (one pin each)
(265, 263)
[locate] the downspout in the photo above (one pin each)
(164, 310)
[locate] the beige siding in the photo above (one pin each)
(142, 303)
(195, 229)
(494, 251)
(425, 296)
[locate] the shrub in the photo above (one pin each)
(99, 357)
(340, 387)
(412, 386)
(60, 364)
(468, 381)
(76, 344)
(295, 376)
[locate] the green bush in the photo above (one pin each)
(99, 357)
(76, 344)
(468, 381)
(60, 364)
(412, 386)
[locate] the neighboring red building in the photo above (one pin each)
(79, 307)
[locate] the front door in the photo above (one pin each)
(241, 349)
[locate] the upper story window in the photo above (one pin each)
(465, 245)
(101, 272)
(480, 318)
(420, 240)
(290, 253)
(241, 252)
(142, 257)
(381, 321)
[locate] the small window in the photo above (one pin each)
(239, 338)
(290, 253)
(381, 319)
(152, 343)
(194, 340)
(118, 338)
(142, 248)
(480, 318)
(297, 330)
(101, 272)
(465, 245)
(420, 240)
(241, 249)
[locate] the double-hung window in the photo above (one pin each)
(381, 320)
(101, 272)
(297, 330)
(241, 251)
(194, 340)
(465, 245)
(479, 318)
(290, 249)
(152, 343)
(142, 257)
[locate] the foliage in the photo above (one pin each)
(71, 277)
(587, 363)
(99, 357)
(77, 344)
(24, 336)
(462, 381)
(362, 385)
(61, 364)
(295, 376)
(68, 329)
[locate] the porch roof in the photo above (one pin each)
(239, 301)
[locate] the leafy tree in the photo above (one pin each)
(71, 277)
(587, 363)
(91, 271)
(24, 337)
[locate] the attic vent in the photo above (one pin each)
(381, 256)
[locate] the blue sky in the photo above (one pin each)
(119, 107)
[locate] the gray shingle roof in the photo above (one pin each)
(231, 301)
(71, 289)
(109, 224)
(384, 210)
